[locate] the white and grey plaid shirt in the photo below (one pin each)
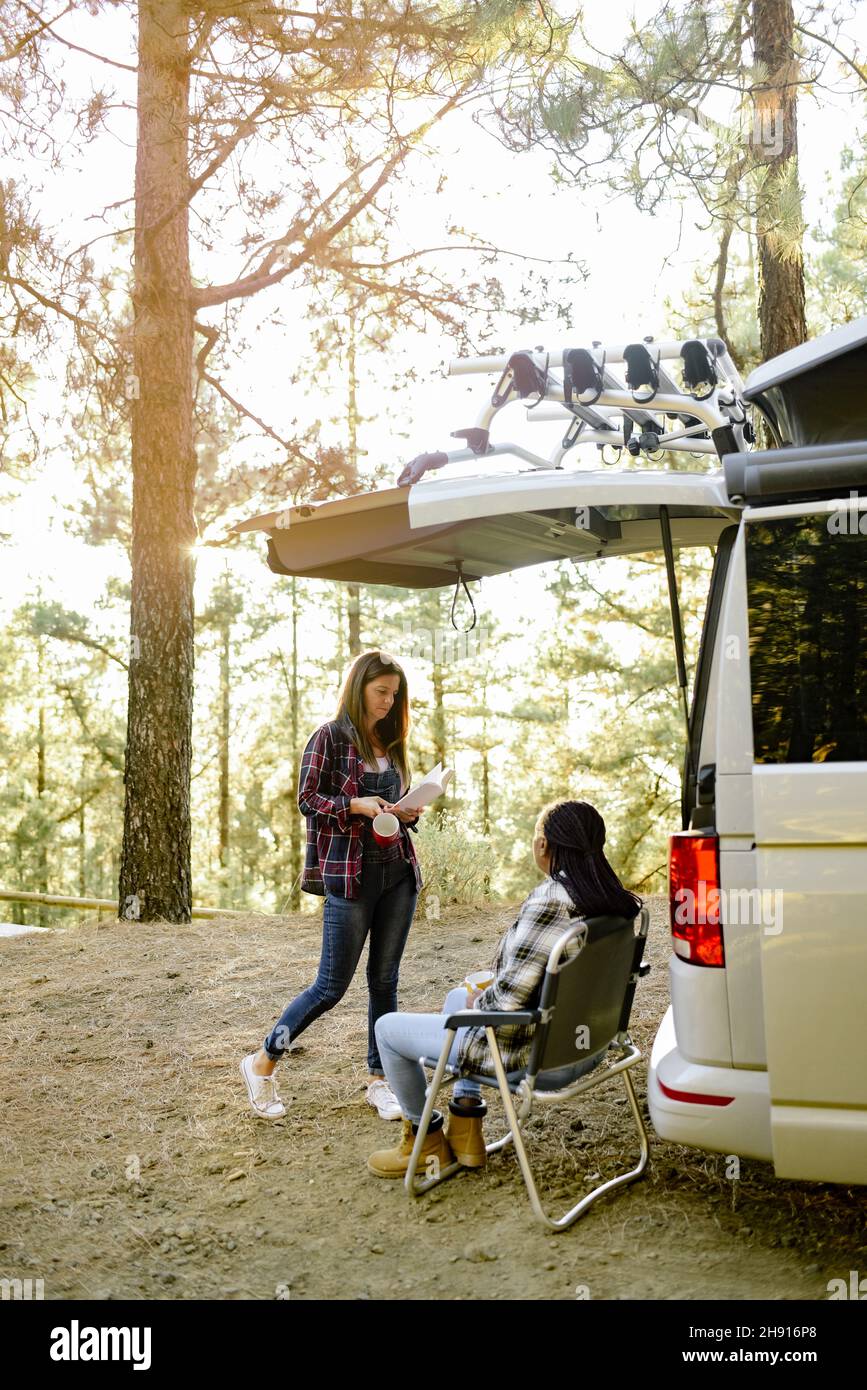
(519, 966)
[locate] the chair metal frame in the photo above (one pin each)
(523, 1086)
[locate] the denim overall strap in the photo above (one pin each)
(387, 785)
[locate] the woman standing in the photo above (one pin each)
(353, 767)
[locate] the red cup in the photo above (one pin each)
(386, 828)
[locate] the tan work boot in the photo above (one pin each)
(465, 1137)
(393, 1163)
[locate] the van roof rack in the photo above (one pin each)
(618, 410)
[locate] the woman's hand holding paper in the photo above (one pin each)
(404, 815)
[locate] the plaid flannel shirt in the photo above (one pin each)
(519, 967)
(330, 776)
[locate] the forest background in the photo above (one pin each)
(372, 189)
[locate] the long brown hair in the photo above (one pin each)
(391, 731)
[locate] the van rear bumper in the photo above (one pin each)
(732, 1110)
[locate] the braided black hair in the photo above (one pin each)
(575, 833)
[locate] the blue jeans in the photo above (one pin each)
(384, 910)
(403, 1038)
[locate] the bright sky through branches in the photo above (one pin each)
(634, 260)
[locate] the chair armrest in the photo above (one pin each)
(501, 1018)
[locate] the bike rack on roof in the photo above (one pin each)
(580, 387)
(622, 410)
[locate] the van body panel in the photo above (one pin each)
(820, 1143)
(814, 969)
(807, 676)
(727, 743)
(810, 803)
(731, 739)
(734, 805)
(795, 836)
(698, 996)
(742, 944)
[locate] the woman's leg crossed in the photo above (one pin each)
(403, 1038)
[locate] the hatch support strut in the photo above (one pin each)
(676, 628)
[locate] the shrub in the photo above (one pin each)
(458, 864)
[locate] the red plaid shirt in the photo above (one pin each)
(331, 773)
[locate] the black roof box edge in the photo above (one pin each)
(797, 360)
(779, 475)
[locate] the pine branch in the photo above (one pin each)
(860, 72)
(624, 613)
(262, 278)
(41, 27)
(62, 310)
(88, 52)
(246, 126)
(85, 801)
(85, 641)
(289, 445)
(211, 295)
(112, 759)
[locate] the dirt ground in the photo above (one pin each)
(131, 1166)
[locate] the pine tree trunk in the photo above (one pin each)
(82, 839)
(438, 714)
(340, 661)
(486, 786)
(155, 870)
(225, 712)
(353, 591)
(42, 849)
(782, 316)
(353, 612)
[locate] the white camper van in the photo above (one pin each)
(763, 1051)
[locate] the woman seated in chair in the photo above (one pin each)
(579, 882)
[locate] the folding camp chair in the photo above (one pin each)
(585, 1003)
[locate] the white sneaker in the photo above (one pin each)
(262, 1090)
(382, 1098)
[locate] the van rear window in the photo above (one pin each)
(807, 604)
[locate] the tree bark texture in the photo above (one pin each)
(155, 870)
(782, 315)
(225, 716)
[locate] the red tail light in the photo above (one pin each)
(694, 897)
